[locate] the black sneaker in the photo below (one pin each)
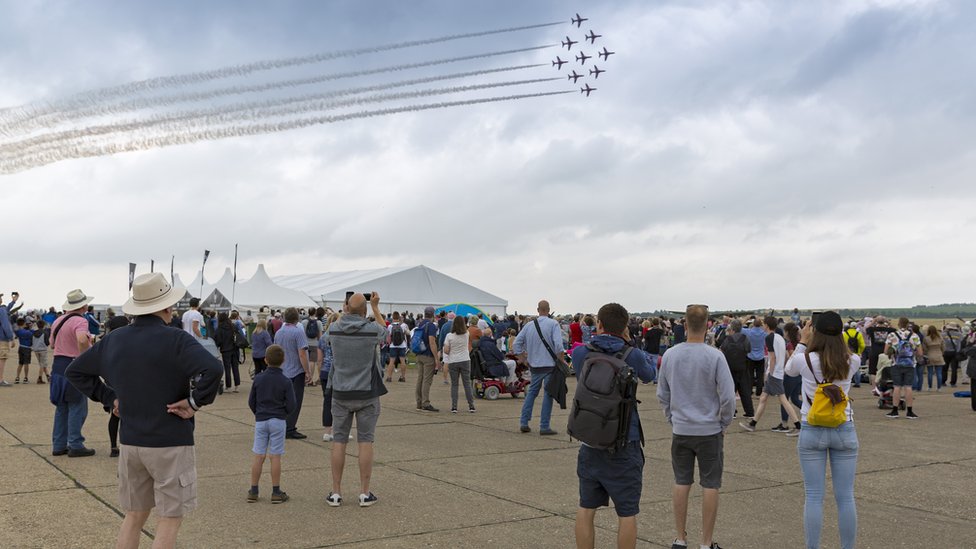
(676, 545)
(366, 500)
(334, 500)
(252, 496)
(430, 408)
(780, 429)
(911, 415)
(453, 410)
(525, 428)
(280, 497)
(714, 545)
(893, 414)
(80, 452)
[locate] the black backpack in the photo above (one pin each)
(312, 328)
(396, 334)
(605, 400)
(852, 341)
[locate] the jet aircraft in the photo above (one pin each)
(574, 77)
(587, 89)
(592, 37)
(558, 63)
(605, 54)
(578, 20)
(595, 71)
(582, 57)
(569, 43)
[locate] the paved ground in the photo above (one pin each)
(467, 480)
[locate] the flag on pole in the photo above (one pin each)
(206, 254)
(172, 277)
(132, 274)
(152, 265)
(235, 263)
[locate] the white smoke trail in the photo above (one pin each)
(182, 138)
(26, 145)
(16, 114)
(57, 117)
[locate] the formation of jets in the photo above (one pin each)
(582, 57)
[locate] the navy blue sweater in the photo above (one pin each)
(272, 395)
(147, 365)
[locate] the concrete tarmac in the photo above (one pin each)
(472, 480)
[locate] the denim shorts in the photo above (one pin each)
(902, 376)
(398, 352)
(707, 450)
(269, 437)
(604, 476)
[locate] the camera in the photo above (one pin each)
(368, 296)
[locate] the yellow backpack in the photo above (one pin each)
(829, 405)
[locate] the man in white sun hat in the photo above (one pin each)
(69, 339)
(148, 368)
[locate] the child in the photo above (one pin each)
(42, 338)
(272, 398)
(25, 339)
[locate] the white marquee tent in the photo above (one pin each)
(400, 289)
(251, 294)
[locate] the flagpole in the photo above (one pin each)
(233, 288)
(152, 265)
(172, 277)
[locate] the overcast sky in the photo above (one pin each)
(739, 154)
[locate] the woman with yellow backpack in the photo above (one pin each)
(826, 365)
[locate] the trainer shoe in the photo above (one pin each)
(453, 410)
(334, 500)
(748, 427)
(327, 437)
(252, 496)
(893, 414)
(471, 410)
(911, 415)
(365, 500)
(525, 428)
(714, 545)
(547, 432)
(4, 383)
(794, 432)
(875, 392)
(781, 428)
(280, 497)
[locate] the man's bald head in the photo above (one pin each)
(357, 304)
(543, 307)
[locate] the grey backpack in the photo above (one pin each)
(605, 400)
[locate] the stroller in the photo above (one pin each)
(490, 387)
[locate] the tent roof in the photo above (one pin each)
(418, 285)
(260, 290)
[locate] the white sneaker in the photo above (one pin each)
(334, 500)
(365, 500)
(327, 437)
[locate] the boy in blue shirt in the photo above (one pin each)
(272, 398)
(604, 475)
(25, 338)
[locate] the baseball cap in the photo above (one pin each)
(829, 323)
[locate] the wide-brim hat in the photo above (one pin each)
(151, 293)
(76, 300)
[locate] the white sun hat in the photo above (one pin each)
(152, 293)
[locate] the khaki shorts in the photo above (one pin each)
(164, 478)
(5, 347)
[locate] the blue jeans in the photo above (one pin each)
(791, 385)
(919, 375)
(69, 417)
(840, 444)
(539, 382)
(937, 370)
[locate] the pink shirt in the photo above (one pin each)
(67, 342)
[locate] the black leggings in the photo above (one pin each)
(231, 366)
(259, 365)
(113, 429)
(326, 404)
(742, 378)
(757, 375)
(951, 365)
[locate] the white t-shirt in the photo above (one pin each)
(189, 317)
(779, 349)
(312, 341)
(406, 335)
(459, 347)
(482, 324)
(798, 367)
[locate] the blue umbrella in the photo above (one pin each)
(463, 309)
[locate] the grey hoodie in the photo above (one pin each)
(356, 372)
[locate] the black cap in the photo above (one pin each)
(829, 323)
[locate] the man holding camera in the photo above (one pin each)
(356, 382)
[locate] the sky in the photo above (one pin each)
(749, 154)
